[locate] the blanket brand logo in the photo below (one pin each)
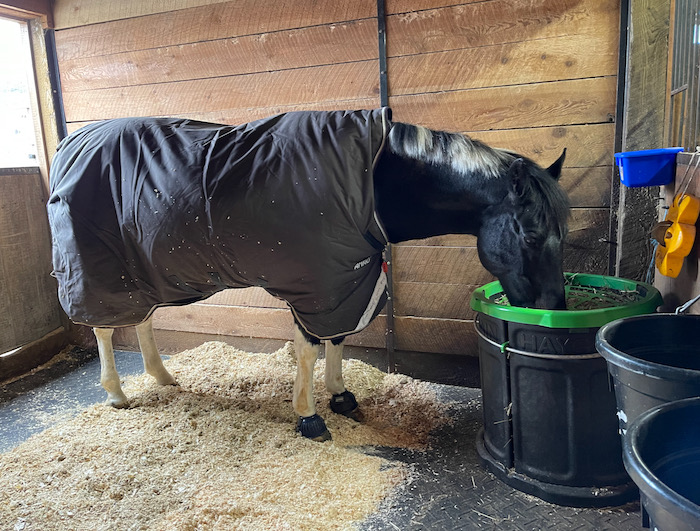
(362, 263)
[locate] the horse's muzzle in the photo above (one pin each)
(551, 302)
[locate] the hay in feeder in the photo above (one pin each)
(217, 452)
(584, 297)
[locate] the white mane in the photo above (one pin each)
(465, 155)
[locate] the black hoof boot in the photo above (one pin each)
(313, 428)
(345, 404)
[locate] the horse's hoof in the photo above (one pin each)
(118, 403)
(357, 415)
(313, 428)
(345, 404)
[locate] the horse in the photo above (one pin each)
(147, 212)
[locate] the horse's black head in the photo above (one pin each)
(521, 237)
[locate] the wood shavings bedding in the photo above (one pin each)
(218, 452)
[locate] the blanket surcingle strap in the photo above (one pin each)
(147, 212)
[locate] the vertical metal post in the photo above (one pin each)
(693, 94)
(55, 80)
(615, 189)
(381, 31)
(384, 102)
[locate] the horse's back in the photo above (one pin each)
(151, 211)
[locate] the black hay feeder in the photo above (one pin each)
(550, 416)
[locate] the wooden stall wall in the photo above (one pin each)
(534, 76)
(29, 307)
(642, 127)
(31, 322)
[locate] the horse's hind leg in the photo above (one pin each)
(342, 401)
(310, 425)
(108, 369)
(152, 362)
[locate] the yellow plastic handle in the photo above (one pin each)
(680, 235)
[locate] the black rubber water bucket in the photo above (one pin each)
(653, 359)
(662, 455)
(550, 425)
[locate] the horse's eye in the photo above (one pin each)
(530, 241)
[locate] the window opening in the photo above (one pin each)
(17, 135)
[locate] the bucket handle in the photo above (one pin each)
(508, 350)
(684, 307)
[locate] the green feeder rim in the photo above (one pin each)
(648, 299)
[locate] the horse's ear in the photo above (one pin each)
(555, 169)
(518, 178)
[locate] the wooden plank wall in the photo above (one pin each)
(28, 305)
(642, 128)
(534, 76)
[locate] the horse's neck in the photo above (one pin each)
(415, 201)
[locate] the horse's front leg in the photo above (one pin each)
(342, 401)
(109, 378)
(310, 425)
(152, 362)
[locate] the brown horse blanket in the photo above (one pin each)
(146, 212)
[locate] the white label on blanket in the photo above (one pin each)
(362, 263)
(379, 289)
